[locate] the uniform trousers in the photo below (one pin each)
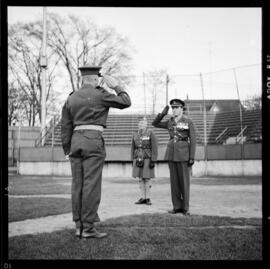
(180, 184)
(87, 160)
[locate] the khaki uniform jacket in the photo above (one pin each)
(148, 142)
(89, 105)
(182, 143)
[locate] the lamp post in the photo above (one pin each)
(43, 65)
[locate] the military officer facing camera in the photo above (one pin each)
(179, 153)
(84, 117)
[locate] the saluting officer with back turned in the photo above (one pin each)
(84, 117)
(179, 153)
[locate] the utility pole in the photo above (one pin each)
(204, 127)
(144, 95)
(167, 86)
(43, 65)
(241, 121)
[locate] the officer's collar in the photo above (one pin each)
(176, 119)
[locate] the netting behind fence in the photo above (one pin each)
(149, 94)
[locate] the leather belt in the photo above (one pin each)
(179, 139)
(89, 127)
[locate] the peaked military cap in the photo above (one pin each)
(90, 70)
(177, 102)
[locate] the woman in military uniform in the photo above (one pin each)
(179, 153)
(144, 155)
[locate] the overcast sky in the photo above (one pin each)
(180, 40)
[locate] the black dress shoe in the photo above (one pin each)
(93, 234)
(148, 202)
(186, 213)
(141, 201)
(175, 211)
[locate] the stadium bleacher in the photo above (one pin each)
(220, 127)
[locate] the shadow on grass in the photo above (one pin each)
(149, 237)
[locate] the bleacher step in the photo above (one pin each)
(12, 170)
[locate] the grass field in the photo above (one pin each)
(29, 208)
(144, 236)
(31, 185)
(151, 237)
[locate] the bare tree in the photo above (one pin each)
(14, 104)
(24, 52)
(253, 103)
(72, 42)
(80, 41)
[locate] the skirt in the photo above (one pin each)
(143, 172)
